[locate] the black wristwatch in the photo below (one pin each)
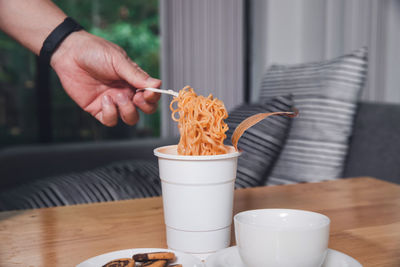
(56, 37)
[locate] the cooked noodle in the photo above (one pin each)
(200, 122)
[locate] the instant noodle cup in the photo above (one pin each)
(197, 194)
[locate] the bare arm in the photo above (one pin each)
(29, 22)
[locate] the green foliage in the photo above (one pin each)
(138, 41)
(133, 25)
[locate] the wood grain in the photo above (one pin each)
(364, 212)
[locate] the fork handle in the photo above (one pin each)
(162, 91)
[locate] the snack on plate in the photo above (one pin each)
(155, 259)
(124, 262)
(157, 263)
(151, 259)
(154, 256)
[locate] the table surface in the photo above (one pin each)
(364, 213)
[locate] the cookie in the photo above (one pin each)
(125, 262)
(169, 256)
(157, 263)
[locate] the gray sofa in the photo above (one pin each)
(375, 143)
(374, 151)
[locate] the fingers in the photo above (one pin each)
(146, 106)
(126, 109)
(109, 114)
(146, 101)
(133, 74)
(151, 97)
(123, 105)
(138, 78)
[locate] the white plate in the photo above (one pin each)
(185, 259)
(230, 257)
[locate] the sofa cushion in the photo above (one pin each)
(260, 144)
(122, 180)
(22, 164)
(326, 94)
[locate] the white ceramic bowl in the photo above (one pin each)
(282, 237)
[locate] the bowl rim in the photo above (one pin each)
(326, 220)
(162, 155)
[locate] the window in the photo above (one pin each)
(133, 25)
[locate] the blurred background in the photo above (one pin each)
(216, 46)
(34, 107)
(223, 47)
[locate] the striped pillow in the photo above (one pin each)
(326, 94)
(122, 180)
(261, 143)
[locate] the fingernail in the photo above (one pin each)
(152, 80)
(122, 99)
(107, 100)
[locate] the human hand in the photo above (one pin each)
(102, 79)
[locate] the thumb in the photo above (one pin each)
(134, 75)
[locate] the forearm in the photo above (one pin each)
(29, 21)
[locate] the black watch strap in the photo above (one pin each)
(55, 38)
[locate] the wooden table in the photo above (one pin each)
(364, 212)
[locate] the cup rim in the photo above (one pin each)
(325, 223)
(157, 152)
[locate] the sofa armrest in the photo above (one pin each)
(375, 145)
(20, 164)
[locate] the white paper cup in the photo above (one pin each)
(282, 237)
(197, 195)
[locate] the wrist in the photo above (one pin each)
(56, 37)
(70, 44)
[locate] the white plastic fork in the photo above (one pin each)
(162, 91)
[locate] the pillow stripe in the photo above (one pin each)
(317, 158)
(306, 77)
